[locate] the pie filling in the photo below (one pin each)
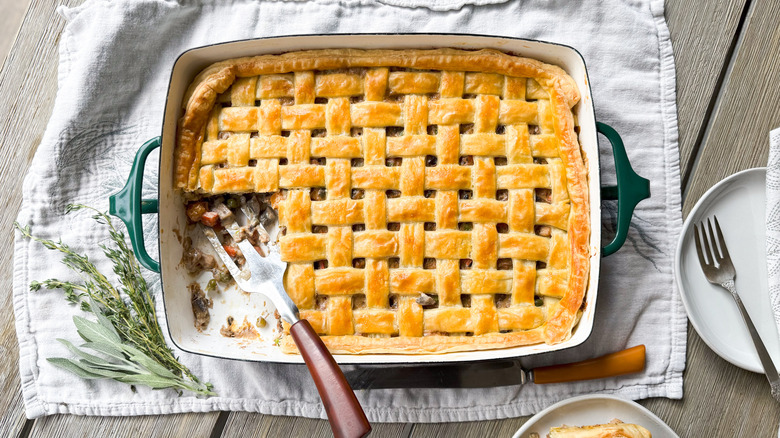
(427, 201)
(257, 217)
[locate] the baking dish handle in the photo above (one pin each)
(128, 205)
(629, 191)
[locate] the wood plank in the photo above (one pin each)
(701, 32)
(10, 21)
(718, 396)
(496, 428)
(181, 425)
(27, 89)
(247, 425)
(749, 109)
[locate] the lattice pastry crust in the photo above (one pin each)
(434, 200)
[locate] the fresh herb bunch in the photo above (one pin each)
(126, 332)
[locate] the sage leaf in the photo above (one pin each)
(84, 355)
(150, 380)
(92, 331)
(147, 362)
(107, 349)
(102, 372)
(72, 366)
(105, 322)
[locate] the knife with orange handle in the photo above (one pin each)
(627, 361)
(487, 374)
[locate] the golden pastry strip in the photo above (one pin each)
(426, 210)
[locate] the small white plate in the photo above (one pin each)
(594, 409)
(739, 202)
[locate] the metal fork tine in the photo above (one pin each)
(706, 241)
(250, 216)
(702, 260)
(721, 241)
(223, 255)
(716, 254)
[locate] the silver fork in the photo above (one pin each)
(346, 416)
(719, 269)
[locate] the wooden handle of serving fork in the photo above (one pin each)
(345, 414)
(628, 361)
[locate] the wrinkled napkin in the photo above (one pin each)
(773, 225)
(114, 66)
(773, 222)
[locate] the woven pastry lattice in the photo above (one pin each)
(395, 183)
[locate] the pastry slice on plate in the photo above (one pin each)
(613, 429)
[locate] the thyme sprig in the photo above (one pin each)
(126, 332)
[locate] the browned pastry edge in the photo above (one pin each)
(217, 78)
(432, 344)
(436, 344)
(559, 326)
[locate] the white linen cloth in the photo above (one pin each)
(773, 222)
(114, 67)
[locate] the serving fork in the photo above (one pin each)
(717, 266)
(345, 414)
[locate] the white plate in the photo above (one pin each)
(594, 409)
(739, 202)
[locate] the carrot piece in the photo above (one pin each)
(210, 219)
(230, 250)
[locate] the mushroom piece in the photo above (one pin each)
(222, 210)
(425, 300)
(195, 260)
(267, 217)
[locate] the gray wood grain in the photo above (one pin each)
(10, 21)
(181, 425)
(499, 428)
(246, 425)
(739, 133)
(718, 397)
(701, 32)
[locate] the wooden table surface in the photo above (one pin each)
(727, 55)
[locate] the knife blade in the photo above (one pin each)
(488, 374)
